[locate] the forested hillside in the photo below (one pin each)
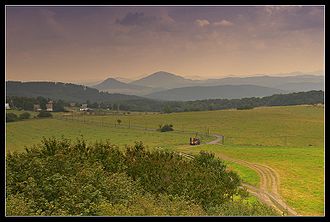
(145, 105)
(64, 91)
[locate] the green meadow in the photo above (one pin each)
(289, 139)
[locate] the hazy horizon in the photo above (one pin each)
(85, 44)
(127, 80)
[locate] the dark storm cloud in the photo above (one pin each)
(137, 18)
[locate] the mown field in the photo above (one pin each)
(28, 132)
(288, 139)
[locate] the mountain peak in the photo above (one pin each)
(163, 74)
(110, 79)
(162, 79)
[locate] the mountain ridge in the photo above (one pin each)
(191, 93)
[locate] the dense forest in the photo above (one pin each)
(60, 177)
(146, 105)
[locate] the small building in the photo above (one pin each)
(36, 107)
(72, 104)
(7, 106)
(49, 106)
(84, 107)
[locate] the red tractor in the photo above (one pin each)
(195, 141)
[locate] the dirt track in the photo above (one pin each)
(267, 192)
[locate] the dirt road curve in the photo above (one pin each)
(217, 140)
(267, 192)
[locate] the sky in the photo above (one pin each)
(77, 44)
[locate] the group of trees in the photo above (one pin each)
(58, 177)
(311, 97)
(27, 103)
(148, 105)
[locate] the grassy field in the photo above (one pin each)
(301, 171)
(24, 133)
(288, 139)
(265, 126)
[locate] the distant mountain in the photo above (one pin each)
(301, 82)
(301, 86)
(113, 85)
(122, 79)
(214, 92)
(163, 80)
(271, 81)
(166, 86)
(65, 91)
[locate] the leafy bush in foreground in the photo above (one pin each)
(58, 177)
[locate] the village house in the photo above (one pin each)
(49, 106)
(36, 107)
(85, 108)
(7, 106)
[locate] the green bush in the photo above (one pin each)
(44, 114)
(241, 208)
(58, 177)
(244, 107)
(165, 128)
(11, 117)
(24, 115)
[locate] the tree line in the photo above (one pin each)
(147, 105)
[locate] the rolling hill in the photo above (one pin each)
(64, 91)
(289, 83)
(214, 92)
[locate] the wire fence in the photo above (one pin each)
(276, 140)
(128, 125)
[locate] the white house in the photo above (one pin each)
(7, 106)
(49, 106)
(84, 107)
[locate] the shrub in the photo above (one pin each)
(241, 208)
(244, 107)
(58, 177)
(44, 114)
(165, 128)
(25, 115)
(11, 117)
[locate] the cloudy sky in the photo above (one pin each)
(79, 44)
